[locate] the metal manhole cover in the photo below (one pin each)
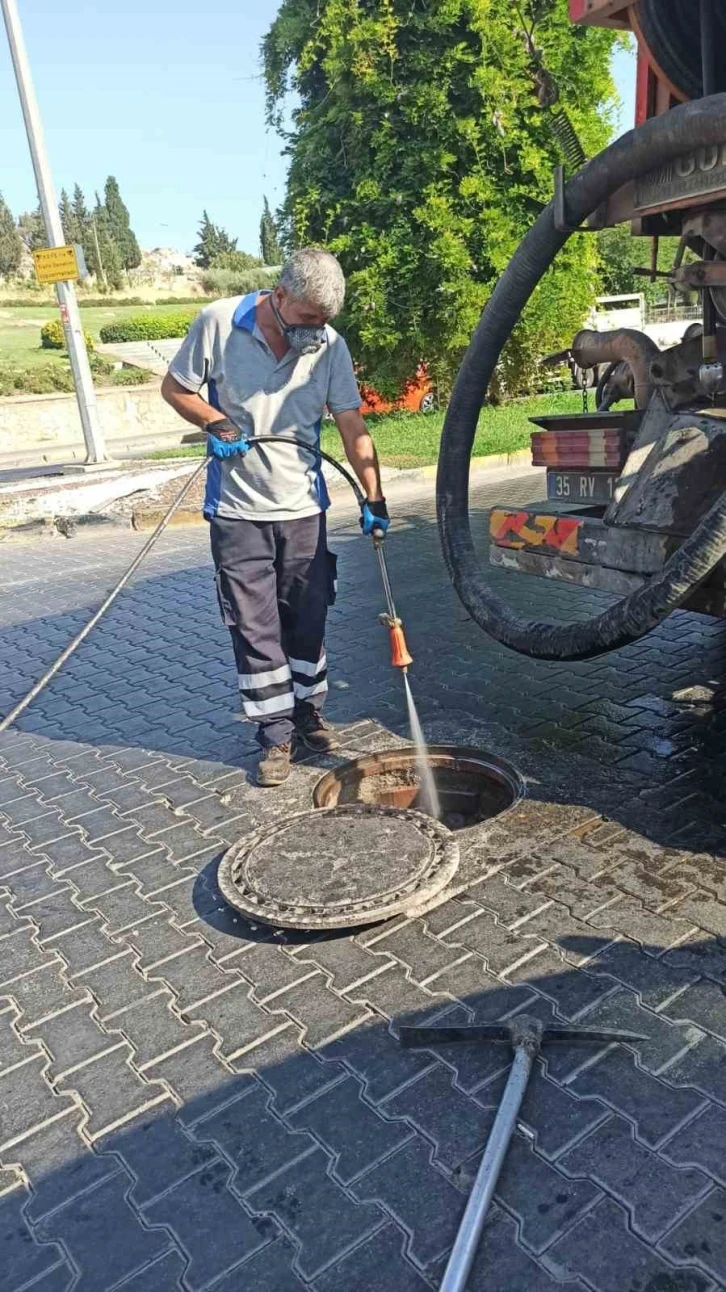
(336, 867)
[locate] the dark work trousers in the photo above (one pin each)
(275, 581)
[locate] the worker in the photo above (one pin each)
(271, 364)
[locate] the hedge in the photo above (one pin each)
(149, 327)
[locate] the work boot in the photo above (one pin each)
(312, 730)
(274, 765)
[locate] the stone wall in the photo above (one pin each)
(38, 429)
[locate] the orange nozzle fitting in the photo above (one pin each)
(400, 657)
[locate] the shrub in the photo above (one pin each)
(52, 337)
(55, 377)
(45, 379)
(129, 377)
(184, 300)
(149, 327)
(230, 282)
(103, 302)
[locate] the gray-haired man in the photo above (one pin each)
(271, 363)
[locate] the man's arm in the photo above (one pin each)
(360, 452)
(192, 407)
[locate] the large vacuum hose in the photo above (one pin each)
(651, 146)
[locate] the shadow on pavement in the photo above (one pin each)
(344, 1164)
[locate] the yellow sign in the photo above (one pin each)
(56, 264)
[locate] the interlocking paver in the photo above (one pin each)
(154, 1029)
(163, 1276)
(303, 1192)
(59, 1164)
(418, 1197)
(656, 1109)
(157, 939)
(269, 1270)
(56, 914)
(71, 1037)
(540, 1198)
(111, 1091)
(156, 1150)
(701, 1236)
(700, 1143)
(703, 1067)
(600, 1243)
(350, 1129)
(104, 1253)
(254, 1140)
(116, 984)
(454, 1124)
(29, 1102)
(654, 1193)
(292, 1073)
(202, 1204)
(24, 1260)
(377, 1265)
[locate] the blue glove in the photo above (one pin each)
(217, 448)
(374, 515)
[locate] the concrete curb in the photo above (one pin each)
(144, 519)
(52, 525)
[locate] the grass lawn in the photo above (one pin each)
(412, 439)
(20, 327)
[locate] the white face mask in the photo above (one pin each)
(301, 337)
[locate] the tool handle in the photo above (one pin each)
(467, 1240)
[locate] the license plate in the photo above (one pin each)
(696, 175)
(580, 486)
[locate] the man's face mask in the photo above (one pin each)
(301, 337)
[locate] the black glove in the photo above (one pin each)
(374, 515)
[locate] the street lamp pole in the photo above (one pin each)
(69, 311)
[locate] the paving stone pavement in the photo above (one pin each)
(188, 1101)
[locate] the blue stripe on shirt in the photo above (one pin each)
(213, 490)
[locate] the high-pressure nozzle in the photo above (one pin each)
(400, 656)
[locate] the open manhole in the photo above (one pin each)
(472, 785)
(352, 864)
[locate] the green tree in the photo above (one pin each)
(420, 155)
(82, 226)
(213, 242)
(67, 218)
(11, 246)
(105, 258)
(31, 227)
(238, 261)
(119, 225)
(270, 249)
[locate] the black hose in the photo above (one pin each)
(73, 645)
(651, 146)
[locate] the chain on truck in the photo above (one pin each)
(636, 500)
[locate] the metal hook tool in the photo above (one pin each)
(526, 1035)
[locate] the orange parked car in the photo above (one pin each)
(417, 396)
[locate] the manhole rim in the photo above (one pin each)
(384, 759)
(446, 860)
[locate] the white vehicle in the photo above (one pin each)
(664, 326)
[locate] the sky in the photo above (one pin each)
(167, 96)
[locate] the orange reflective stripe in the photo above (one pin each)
(519, 529)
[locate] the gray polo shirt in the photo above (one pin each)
(226, 351)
